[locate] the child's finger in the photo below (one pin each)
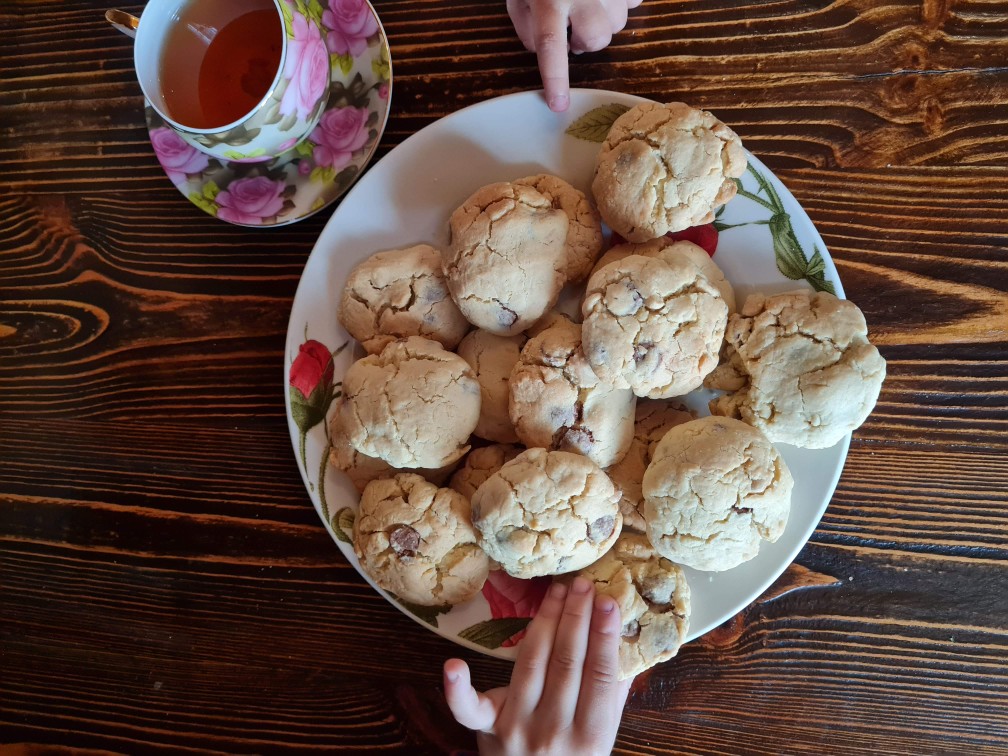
(477, 711)
(602, 692)
(563, 678)
(529, 673)
(551, 50)
(591, 28)
(521, 18)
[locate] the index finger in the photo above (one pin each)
(551, 51)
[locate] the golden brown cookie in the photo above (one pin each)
(480, 464)
(507, 257)
(654, 418)
(665, 168)
(653, 599)
(558, 402)
(417, 541)
(492, 358)
(715, 489)
(653, 325)
(413, 405)
(799, 367)
(398, 293)
(584, 233)
(546, 512)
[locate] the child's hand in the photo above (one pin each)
(542, 28)
(565, 695)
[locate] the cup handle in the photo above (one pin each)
(123, 21)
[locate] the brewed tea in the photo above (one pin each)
(214, 71)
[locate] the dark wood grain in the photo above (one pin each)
(165, 584)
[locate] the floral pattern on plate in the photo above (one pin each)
(252, 190)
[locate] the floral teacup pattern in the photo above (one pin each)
(251, 189)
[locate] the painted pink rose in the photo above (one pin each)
(177, 157)
(511, 597)
(383, 90)
(307, 67)
(338, 134)
(250, 200)
(350, 23)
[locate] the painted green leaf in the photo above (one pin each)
(325, 175)
(344, 62)
(428, 614)
(594, 125)
(207, 206)
(211, 190)
(492, 633)
(318, 204)
(342, 523)
(305, 148)
(380, 66)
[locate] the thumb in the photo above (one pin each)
(471, 709)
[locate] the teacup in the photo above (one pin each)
(207, 68)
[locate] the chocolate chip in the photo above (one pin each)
(601, 529)
(404, 541)
(506, 317)
(638, 300)
(640, 350)
(630, 629)
(579, 440)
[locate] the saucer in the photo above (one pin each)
(319, 169)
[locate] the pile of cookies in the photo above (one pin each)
(562, 443)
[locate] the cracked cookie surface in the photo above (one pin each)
(653, 419)
(667, 249)
(417, 541)
(362, 469)
(799, 367)
(507, 257)
(653, 325)
(398, 293)
(492, 358)
(546, 512)
(715, 489)
(653, 598)
(665, 168)
(480, 464)
(413, 405)
(558, 402)
(584, 232)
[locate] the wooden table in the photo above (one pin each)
(164, 581)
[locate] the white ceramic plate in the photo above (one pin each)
(406, 198)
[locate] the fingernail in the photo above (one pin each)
(558, 590)
(559, 103)
(605, 604)
(581, 585)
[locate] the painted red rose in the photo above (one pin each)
(312, 367)
(511, 597)
(705, 236)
